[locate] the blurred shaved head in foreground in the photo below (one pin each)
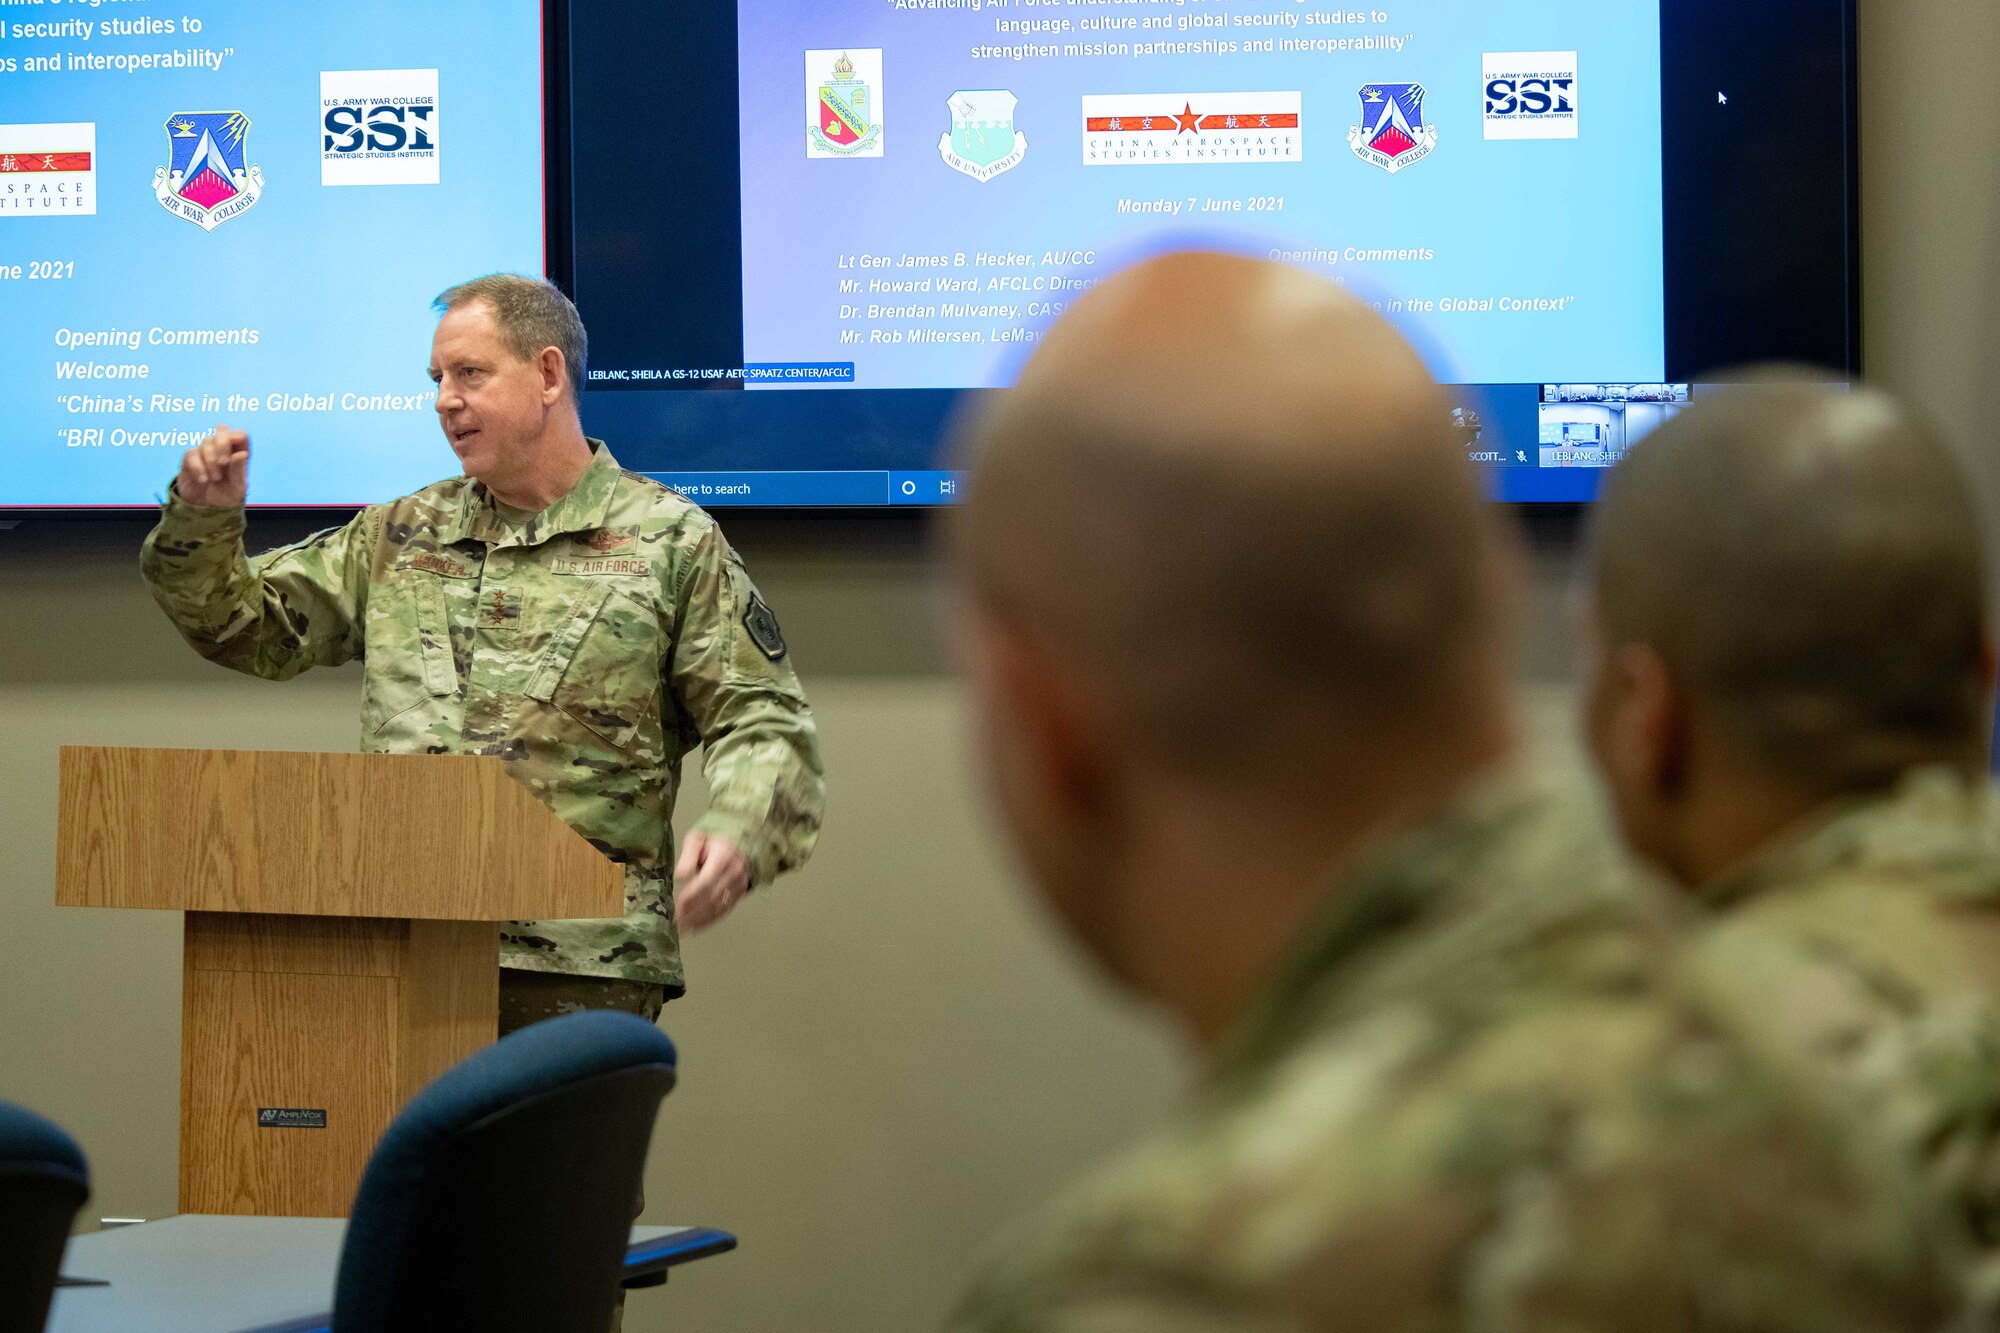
(1236, 601)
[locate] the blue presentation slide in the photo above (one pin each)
(222, 210)
(927, 183)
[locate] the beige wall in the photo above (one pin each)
(888, 1054)
(1930, 226)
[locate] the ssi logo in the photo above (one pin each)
(379, 127)
(1531, 95)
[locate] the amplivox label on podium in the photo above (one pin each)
(290, 1117)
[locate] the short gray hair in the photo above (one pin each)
(532, 314)
(1810, 563)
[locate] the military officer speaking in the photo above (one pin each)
(584, 623)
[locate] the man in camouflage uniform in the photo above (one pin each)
(584, 623)
(1237, 648)
(1790, 700)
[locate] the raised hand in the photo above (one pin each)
(215, 474)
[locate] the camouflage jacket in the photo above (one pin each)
(1862, 957)
(1467, 1103)
(591, 645)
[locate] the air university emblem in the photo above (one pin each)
(844, 91)
(207, 180)
(1392, 134)
(982, 141)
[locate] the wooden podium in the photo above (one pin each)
(340, 945)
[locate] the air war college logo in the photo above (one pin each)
(1392, 134)
(844, 94)
(982, 141)
(207, 181)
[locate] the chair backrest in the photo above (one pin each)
(502, 1196)
(43, 1181)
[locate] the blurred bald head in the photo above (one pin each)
(1808, 564)
(1227, 495)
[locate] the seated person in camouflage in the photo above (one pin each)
(1235, 619)
(1790, 701)
(584, 623)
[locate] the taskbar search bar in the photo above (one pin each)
(827, 490)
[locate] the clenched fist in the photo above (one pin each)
(712, 877)
(215, 474)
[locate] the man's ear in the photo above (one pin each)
(554, 367)
(1654, 719)
(1061, 739)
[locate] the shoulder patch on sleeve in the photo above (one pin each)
(762, 625)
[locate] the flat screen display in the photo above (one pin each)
(238, 211)
(800, 231)
(835, 217)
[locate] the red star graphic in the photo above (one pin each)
(1189, 122)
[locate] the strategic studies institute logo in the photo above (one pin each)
(1531, 95)
(1392, 134)
(1191, 129)
(48, 170)
(207, 180)
(844, 99)
(378, 127)
(982, 141)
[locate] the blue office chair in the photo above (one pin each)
(501, 1198)
(43, 1181)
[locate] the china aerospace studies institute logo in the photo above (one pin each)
(844, 97)
(1392, 134)
(1192, 129)
(207, 182)
(982, 141)
(48, 170)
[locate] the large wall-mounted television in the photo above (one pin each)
(846, 213)
(800, 231)
(239, 211)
